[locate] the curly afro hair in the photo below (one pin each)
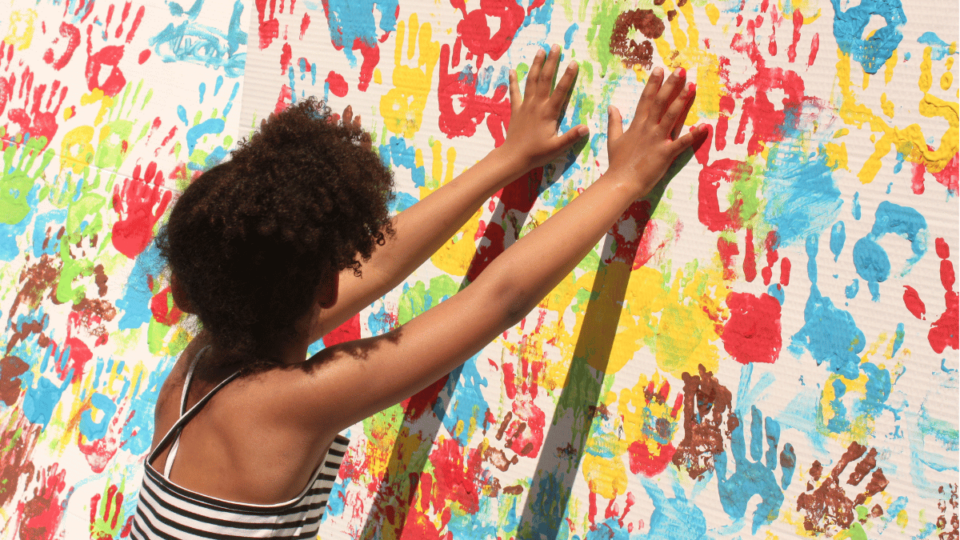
(251, 240)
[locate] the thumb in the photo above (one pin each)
(572, 136)
(614, 124)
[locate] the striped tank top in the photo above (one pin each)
(166, 510)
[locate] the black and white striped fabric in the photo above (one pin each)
(166, 510)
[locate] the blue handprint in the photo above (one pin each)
(672, 518)
(874, 50)
(753, 477)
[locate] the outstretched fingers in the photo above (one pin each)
(691, 96)
(515, 98)
(533, 75)
(676, 114)
(649, 93)
(564, 85)
(549, 72)
(691, 138)
(666, 95)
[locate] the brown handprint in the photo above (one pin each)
(140, 204)
(110, 55)
(705, 403)
(828, 507)
(949, 529)
(626, 47)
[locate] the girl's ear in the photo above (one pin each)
(329, 292)
(180, 296)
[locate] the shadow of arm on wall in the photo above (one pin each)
(578, 406)
(397, 488)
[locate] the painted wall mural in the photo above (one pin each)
(764, 348)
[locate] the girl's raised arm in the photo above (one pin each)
(423, 228)
(351, 381)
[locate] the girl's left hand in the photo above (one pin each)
(532, 135)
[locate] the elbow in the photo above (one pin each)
(513, 298)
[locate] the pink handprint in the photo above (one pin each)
(140, 204)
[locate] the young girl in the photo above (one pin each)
(266, 250)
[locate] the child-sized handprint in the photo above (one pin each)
(39, 118)
(72, 36)
(140, 204)
(106, 515)
(40, 516)
(463, 86)
(706, 406)
(649, 424)
(753, 476)
(110, 55)
(475, 33)
(402, 107)
(675, 517)
(828, 508)
(949, 527)
(19, 177)
(943, 332)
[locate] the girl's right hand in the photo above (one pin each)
(646, 150)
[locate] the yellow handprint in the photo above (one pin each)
(687, 51)
(402, 107)
(910, 140)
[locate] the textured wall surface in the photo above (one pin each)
(765, 348)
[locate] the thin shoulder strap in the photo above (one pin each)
(189, 377)
(177, 427)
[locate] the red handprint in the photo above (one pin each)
(140, 204)
(7, 83)
(72, 34)
(474, 31)
(943, 331)
(463, 86)
(110, 55)
(41, 515)
(38, 119)
(105, 518)
(768, 120)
